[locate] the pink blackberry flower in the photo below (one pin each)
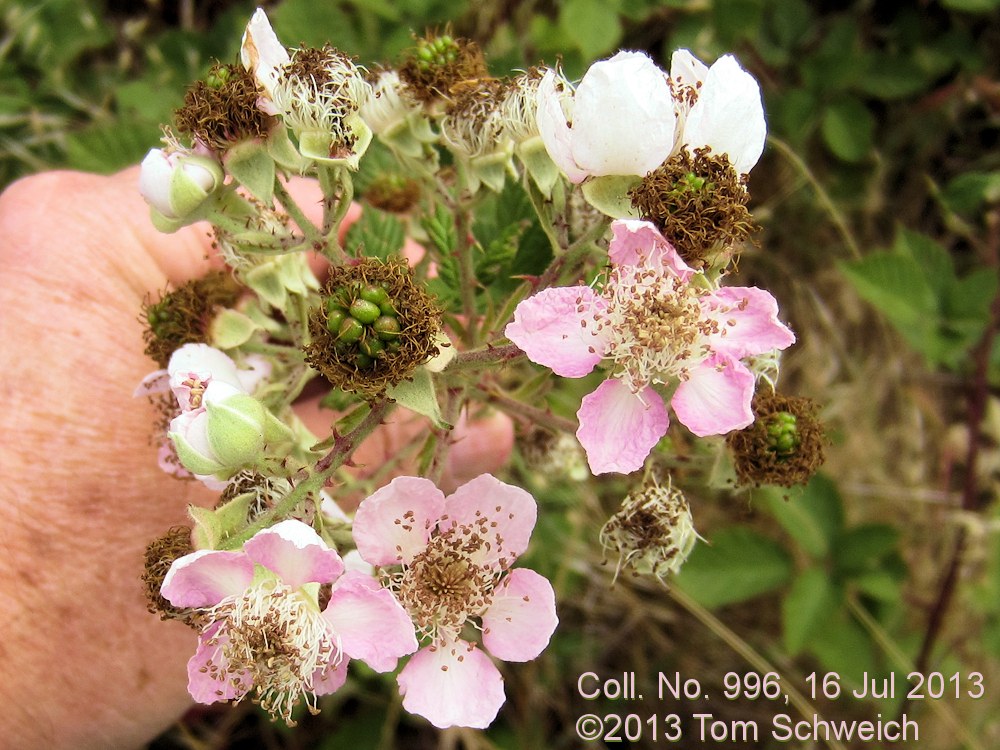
(265, 630)
(456, 553)
(655, 322)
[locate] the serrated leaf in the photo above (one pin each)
(737, 564)
(378, 233)
(440, 228)
(811, 601)
(500, 252)
(814, 518)
(897, 286)
(848, 129)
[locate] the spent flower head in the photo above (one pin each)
(784, 446)
(652, 533)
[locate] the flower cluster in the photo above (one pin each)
(583, 227)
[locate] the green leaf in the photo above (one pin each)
(814, 518)
(880, 584)
(811, 602)
(106, 148)
(441, 230)
(843, 646)
(593, 25)
(892, 77)
(306, 22)
(419, 395)
(897, 287)
(736, 19)
(933, 260)
(862, 548)
(971, 6)
(737, 564)
(848, 129)
(379, 233)
(967, 192)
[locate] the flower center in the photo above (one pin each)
(275, 639)
(444, 586)
(654, 325)
(318, 90)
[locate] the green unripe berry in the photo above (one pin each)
(387, 328)
(363, 361)
(335, 319)
(350, 331)
(782, 433)
(371, 346)
(374, 293)
(364, 311)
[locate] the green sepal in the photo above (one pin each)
(609, 195)
(491, 171)
(316, 144)
(419, 395)
(193, 460)
(539, 164)
(276, 432)
(235, 429)
(211, 527)
(186, 195)
(252, 166)
(164, 224)
(283, 151)
(231, 328)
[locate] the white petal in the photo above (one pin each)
(623, 117)
(728, 116)
(262, 53)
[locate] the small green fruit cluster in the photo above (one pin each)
(782, 434)
(363, 317)
(436, 53)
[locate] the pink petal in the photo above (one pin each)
(518, 624)
(330, 678)
(296, 553)
(204, 359)
(206, 577)
(371, 624)
(556, 328)
(209, 678)
(619, 428)
(454, 684)
(748, 321)
(639, 243)
(506, 514)
(156, 382)
(395, 523)
(554, 128)
(715, 399)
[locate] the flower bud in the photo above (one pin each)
(235, 429)
(177, 184)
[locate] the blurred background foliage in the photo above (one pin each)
(878, 195)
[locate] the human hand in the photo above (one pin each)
(85, 664)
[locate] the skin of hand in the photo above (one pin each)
(84, 664)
